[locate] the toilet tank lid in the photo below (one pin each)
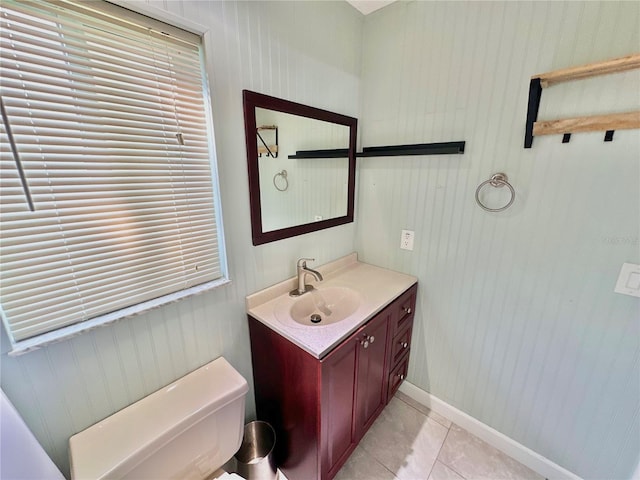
(119, 442)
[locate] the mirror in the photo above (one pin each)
(301, 166)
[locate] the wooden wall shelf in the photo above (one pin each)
(608, 123)
(264, 148)
(271, 151)
(614, 121)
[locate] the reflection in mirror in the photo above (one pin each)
(301, 166)
(295, 191)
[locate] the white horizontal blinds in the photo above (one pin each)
(109, 123)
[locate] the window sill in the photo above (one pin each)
(25, 346)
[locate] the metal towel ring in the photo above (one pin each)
(282, 174)
(497, 180)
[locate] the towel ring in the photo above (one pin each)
(282, 174)
(497, 180)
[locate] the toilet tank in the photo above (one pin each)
(186, 430)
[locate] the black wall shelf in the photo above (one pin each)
(332, 153)
(442, 148)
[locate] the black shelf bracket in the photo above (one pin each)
(535, 94)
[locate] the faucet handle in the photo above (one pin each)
(303, 262)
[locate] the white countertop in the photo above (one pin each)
(377, 287)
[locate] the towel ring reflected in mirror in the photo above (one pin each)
(284, 184)
(497, 180)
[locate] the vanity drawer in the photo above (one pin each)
(397, 376)
(405, 310)
(401, 344)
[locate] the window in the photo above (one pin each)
(108, 189)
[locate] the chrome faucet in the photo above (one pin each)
(303, 270)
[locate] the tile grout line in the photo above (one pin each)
(452, 469)
(382, 464)
(443, 442)
(426, 415)
(378, 461)
(444, 463)
(439, 450)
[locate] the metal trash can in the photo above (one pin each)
(255, 457)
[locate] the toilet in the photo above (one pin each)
(187, 430)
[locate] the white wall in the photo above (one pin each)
(308, 52)
(517, 323)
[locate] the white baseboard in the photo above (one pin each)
(515, 450)
(636, 474)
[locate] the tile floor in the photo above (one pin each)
(410, 442)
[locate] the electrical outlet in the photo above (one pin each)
(406, 240)
(318, 218)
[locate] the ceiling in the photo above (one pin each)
(368, 6)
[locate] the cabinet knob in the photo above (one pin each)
(401, 375)
(367, 340)
(404, 344)
(407, 310)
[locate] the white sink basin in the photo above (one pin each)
(351, 290)
(321, 307)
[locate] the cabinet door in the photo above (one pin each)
(338, 395)
(287, 389)
(371, 377)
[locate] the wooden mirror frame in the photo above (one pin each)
(251, 101)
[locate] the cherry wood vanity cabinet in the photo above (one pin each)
(321, 408)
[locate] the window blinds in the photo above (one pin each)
(108, 118)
